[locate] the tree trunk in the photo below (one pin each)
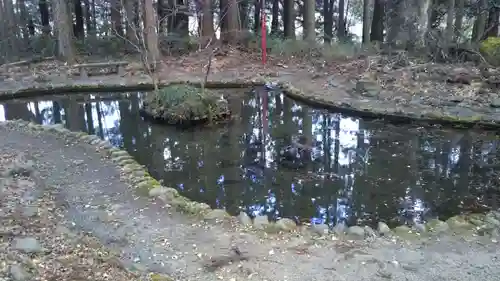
(328, 20)
(25, 18)
(63, 27)
(275, 23)
(289, 18)
(233, 22)
(229, 21)
(423, 21)
(207, 22)
(480, 23)
(44, 16)
(310, 20)
(130, 22)
(88, 17)
(12, 38)
(341, 31)
(244, 14)
(449, 22)
(116, 17)
(459, 18)
(366, 21)
(79, 29)
(377, 28)
(256, 15)
(153, 52)
(395, 21)
(493, 22)
(162, 14)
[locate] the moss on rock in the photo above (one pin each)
(185, 105)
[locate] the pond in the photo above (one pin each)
(356, 171)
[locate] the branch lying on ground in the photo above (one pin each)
(28, 61)
(220, 261)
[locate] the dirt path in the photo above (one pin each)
(149, 237)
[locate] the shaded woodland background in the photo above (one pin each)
(69, 29)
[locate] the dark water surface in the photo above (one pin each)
(358, 171)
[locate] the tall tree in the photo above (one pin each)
(79, 30)
(63, 26)
(162, 15)
(493, 21)
(449, 22)
(328, 20)
(309, 20)
(153, 52)
(459, 18)
(289, 18)
(207, 22)
(244, 5)
(25, 18)
(44, 15)
(131, 29)
(480, 23)
(366, 21)
(10, 20)
(229, 21)
(275, 13)
(116, 17)
(378, 18)
(232, 21)
(341, 28)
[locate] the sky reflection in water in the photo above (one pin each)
(359, 171)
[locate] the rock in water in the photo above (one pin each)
(27, 245)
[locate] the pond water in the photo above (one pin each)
(357, 171)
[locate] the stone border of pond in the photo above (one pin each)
(351, 106)
(137, 177)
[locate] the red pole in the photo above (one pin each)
(263, 32)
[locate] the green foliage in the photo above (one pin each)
(177, 94)
(179, 103)
(490, 48)
(300, 48)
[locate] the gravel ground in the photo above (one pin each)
(147, 236)
(34, 243)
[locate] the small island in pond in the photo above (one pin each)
(185, 106)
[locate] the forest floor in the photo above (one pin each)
(391, 85)
(66, 215)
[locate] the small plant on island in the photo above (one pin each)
(185, 105)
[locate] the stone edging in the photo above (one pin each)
(352, 107)
(136, 175)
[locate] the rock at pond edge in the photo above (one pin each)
(216, 214)
(286, 224)
(244, 219)
(260, 222)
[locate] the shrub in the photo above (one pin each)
(490, 48)
(178, 104)
(304, 49)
